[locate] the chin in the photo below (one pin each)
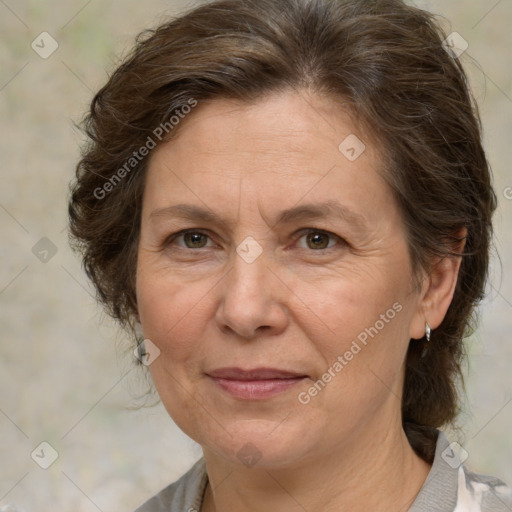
(260, 444)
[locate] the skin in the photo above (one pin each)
(298, 306)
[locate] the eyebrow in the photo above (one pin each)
(297, 213)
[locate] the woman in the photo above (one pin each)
(289, 202)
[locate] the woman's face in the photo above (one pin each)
(295, 266)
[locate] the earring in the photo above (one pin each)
(428, 330)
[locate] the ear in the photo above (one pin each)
(437, 291)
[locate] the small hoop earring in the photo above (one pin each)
(428, 330)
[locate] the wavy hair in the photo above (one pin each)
(385, 61)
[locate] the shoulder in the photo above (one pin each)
(184, 495)
(482, 493)
(452, 487)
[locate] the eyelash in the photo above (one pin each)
(302, 233)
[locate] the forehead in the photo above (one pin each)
(281, 125)
(282, 150)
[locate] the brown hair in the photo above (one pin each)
(386, 62)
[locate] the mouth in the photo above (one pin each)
(255, 384)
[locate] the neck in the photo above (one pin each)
(374, 470)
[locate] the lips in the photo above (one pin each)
(254, 374)
(256, 383)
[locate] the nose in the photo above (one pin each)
(253, 299)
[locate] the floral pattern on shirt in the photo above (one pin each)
(471, 494)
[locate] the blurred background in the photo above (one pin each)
(66, 375)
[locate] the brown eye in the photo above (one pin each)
(195, 240)
(188, 240)
(319, 240)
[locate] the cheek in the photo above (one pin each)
(338, 306)
(170, 312)
(357, 322)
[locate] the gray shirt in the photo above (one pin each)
(449, 487)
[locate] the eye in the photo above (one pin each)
(191, 239)
(320, 240)
(315, 239)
